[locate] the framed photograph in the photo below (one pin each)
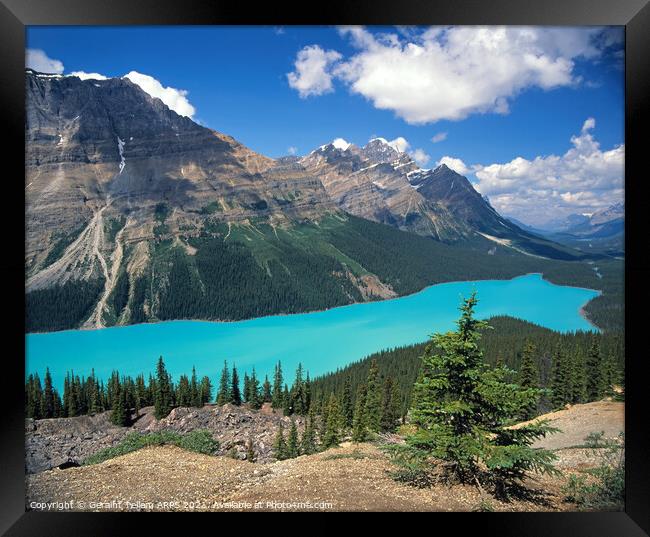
(371, 258)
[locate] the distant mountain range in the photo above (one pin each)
(602, 231)
(135, 213)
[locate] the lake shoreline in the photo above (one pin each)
(581, 310)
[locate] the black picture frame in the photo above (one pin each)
(633, 14)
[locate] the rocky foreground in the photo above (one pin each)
(51, 443)
(352, 477)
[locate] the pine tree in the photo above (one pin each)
(308, 442)
(610, 375)
(373, 398)
(560, 383)
(254, 398)
(163, 396)
(195, 394)
(346, 403)
(307, 395)
(389, 406)
(47, 401)
(119, 412)
(578, 378)
(247, 388)
(205, 390)
(332, 435)
(298, 393)
(223, 396)
(287, 408)
(529, 377)
(183, 394)
(277, 399)
(266, 390)
(461, 408)
(293, 446)
(235, 393)
(595, 384)
(359, 422)
(280, 446)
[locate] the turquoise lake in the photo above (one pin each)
(322, 341)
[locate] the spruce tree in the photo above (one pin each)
(389, 406)
(347, 407)
(254, 398)
(119, 411)
(595, 384)
(298, 393)
(205, 390)
(332, 435)
(235, 393)
(461, 409)
(195, 394)
(308, 442)
(578, 378)
(529, 377)
(280, 446)
(266, 390)
(359, 422)
(247, 388)
(293, 446)
(287, 407)
(277, 400)
(223, 396)
(373, 398)
(183, 394)
(163, 396)
(47, 406)
(560, 383)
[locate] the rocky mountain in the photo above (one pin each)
(134, 213)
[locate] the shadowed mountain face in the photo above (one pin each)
(135, 213)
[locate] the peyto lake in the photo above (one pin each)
(322, 341)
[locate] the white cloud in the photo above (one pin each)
(455, 164)
(37, 60)
(175, 99)
(420, 157)
(87, 76)
(312, 74)
(399, 144)
(292, 150)
(440, 137)
(584, 179)
(449, 72)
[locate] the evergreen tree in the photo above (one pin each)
(163, 395)
(373, 398)
(308, 442)
(610, 375)
(266, 390)
(235, 393)
(298, 401)
(119, 412)
(280, 446)
(389, 406)
(247, 388)
(183, 394)
(529, 377)
(359, 422)
(461, 409)
(205, 390)
(560, 381)
(578, 378)
(595, 384)
(293, 446)
(254, 397)
(332, 435)
(287, 408)
(195, 394)
(223, 396)
(346, 403)
(47, 401)
(277, 399)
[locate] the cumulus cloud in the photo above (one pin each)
(175, 99)
(399, 144)
(440, 137)
(582, 180)
(420, 157)
(313, 71)
(455, 164)
(402, 145)
(37, 60)
(449, 72)
(87, 76)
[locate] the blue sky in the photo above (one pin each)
(526, 98)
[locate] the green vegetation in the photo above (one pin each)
(199, 441)
(603, 487)
(261, 270)
(505, 344)
(61, 242)
(461, 407)
(62, 306)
